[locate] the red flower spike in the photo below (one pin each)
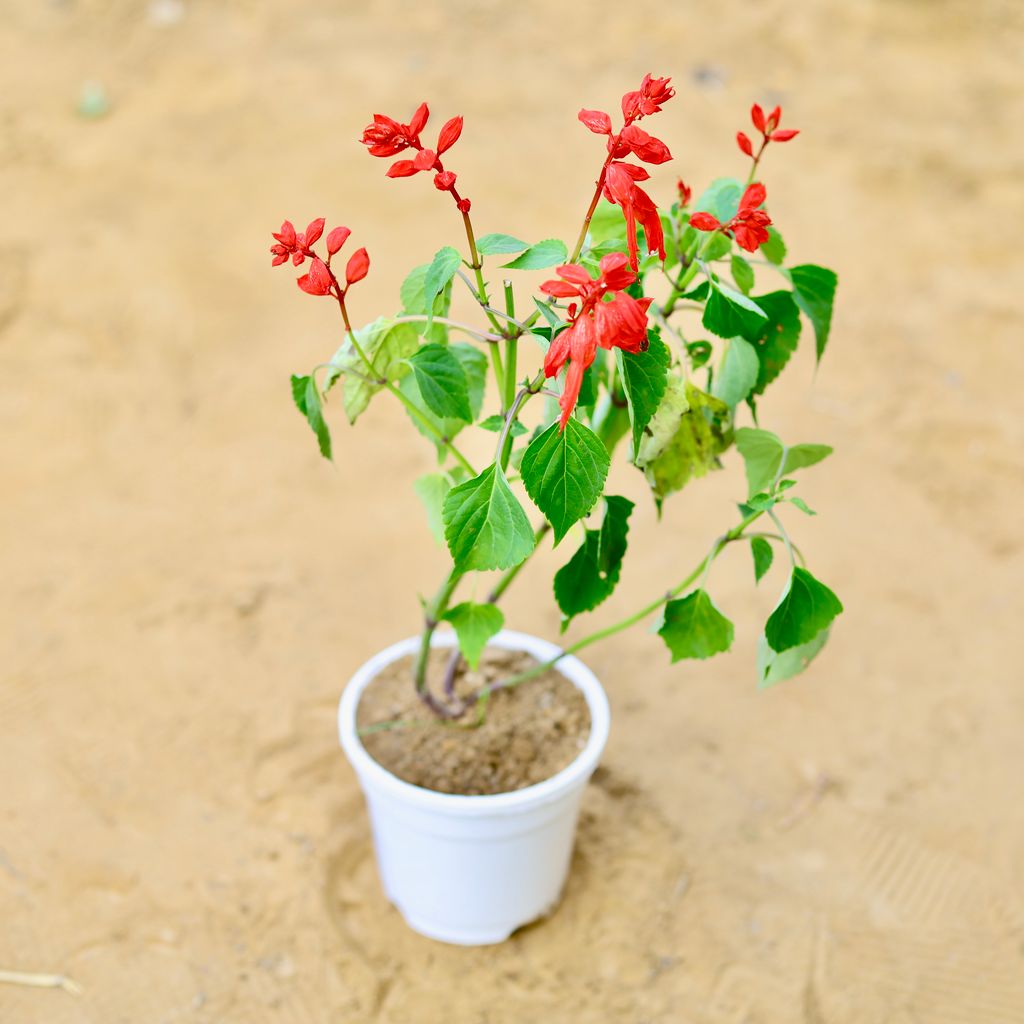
(784, 135)
(402, 169)
(358, 267)
(444, 180)
(744, 143)
(757, 117)
(685, 192)
(449, 134)
(313, 232)
(318, 280)
(597, 121)
(620, 323)
(336, 239)
(464, 205)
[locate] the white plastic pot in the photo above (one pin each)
(471, 869)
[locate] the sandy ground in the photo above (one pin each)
(186, 585)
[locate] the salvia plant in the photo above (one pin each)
(671, 383)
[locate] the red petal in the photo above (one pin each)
(597, 121)
(358, 266)
(744, 143)
(559, 289)
(336, 239)
(616, 272)
(773, 119)
(558, 352)
(286, 236)
(757, 116)
(575, 273)
(754, 196)
(419, 119)
(449, 134)
(424, 160)
(704, 222)
(784, 134)
(314, 231)
(402, 169)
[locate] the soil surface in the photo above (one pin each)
(531, 731)
(187, 585)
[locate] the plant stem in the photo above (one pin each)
(511, 349)
(593, 206)
(432, 615)
(453, 324)
(734, 534)
(476, 265)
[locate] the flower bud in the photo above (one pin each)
(358, 267)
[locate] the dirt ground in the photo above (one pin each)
(187, 586)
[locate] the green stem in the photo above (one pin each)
(511, 349)
(432, 616)
(477, 267)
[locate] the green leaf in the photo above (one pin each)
(806, 607)
(484, 524)
(815, 291)
(432, 490)
(549, 314)
(761, 549)
(699, 353)
(728, 313)
(474, 624)
(721, 199)
(643, 376)
(684, 438)
(441, 270)
(564, 473)
(590, 576)
(802, 455)
(737, 372)
(544, 254)
(718, 245)
(474, 365)
(591, 382)
(307, 400)
(762, 455)
(496, 245)
(742, 274)
(387, 344)
(775, 339)
(803, 506)
(442, 382)
(496, 424)
(773, 667)
(607, 222)
(774, 250)
(414, 303)
(694, 628)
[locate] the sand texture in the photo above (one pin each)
(186, 585)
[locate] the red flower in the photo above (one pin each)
(648, 99)
(618, 323)
(620, 187)
(318, 280)
(685, 192)
(768, 126)
(646, 147)
(449, 134)
(750, 225)
(385, 136)
(297, 246)
(743, 141)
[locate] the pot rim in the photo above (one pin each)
(574, 774)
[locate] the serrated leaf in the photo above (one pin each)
(774, 250)
(742, 274)
(737, 372)
(474, 624)
(496, 424)
(590, 576)
(484, 524)
(776, 339)
(684, 438)
(564, 473)
(806, 607)
(761, 549)
(432, 489)
(496, 245)
(773, 667)
(728, 313)
(442, 269)
(307, 400)
(387, 344)
(548, 253)
(694, 628)
(721, 199)
(414, 303)
(442, 382)
(591, 382)
(474, 365)
(643, 376)
(815, 291)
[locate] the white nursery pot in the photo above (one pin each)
(471, 869)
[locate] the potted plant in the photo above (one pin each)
(473, 744)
